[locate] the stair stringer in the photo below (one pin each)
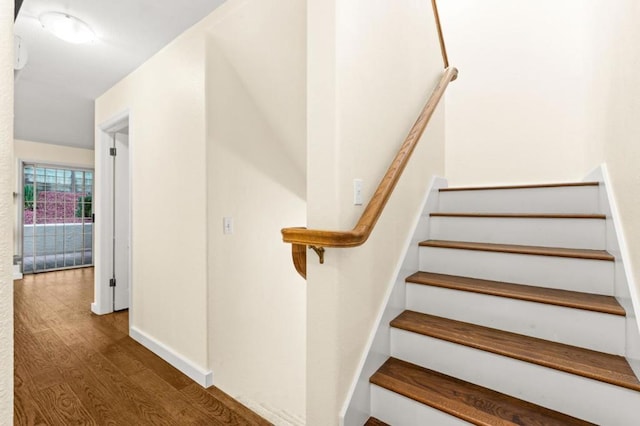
(357, 407)
(626, 288)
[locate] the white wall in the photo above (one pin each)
(518, 112)
(256, 161)
(48, 154)
(165, 98)
(614, 113)
(6, 213)
(371, 67)
(548, 91)
(217, 128)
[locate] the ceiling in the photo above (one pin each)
(55, 91)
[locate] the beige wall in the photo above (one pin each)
(53, 154)
(217, 128)
(165, 99)
(518, 112)
(6, 213)
(615, 111)
(548, 91)
(256, 134)
(371, 67)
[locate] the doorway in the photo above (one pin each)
(57, 220)
(113, 217)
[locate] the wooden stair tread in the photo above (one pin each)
(518, 249)
(472, 403)
(522, 215)
(375, 422)
(600, 366)
(543, 185)
(571, 299)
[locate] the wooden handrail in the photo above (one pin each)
(443, 47)
(318, 239)
(359, 234)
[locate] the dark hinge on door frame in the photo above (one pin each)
(112, 281)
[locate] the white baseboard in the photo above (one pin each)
(626, 285)
(203, 377)
(275, 416)
(17, 274)
(96, 309)
(356, 408)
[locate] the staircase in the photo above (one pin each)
(511, 318)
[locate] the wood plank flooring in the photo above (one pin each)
(375, 422)
(518, 249)
(551, 296)
(473, 403)
(595, 365)
(543, 185)
(522, 215)
(73, 367)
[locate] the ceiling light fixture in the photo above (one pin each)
(67, 27)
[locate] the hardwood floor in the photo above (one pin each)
(550, 296)
(517, 249)
(469, 402)
(605, 367)
(73, 367)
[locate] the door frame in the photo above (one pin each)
(103, 223)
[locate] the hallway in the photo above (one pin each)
(73, 367)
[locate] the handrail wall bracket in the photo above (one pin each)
(320, 252)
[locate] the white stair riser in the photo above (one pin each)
(397, 410)
(576, 199)
(574, 233)
(577, 396)
(587, 276)
(576, 327)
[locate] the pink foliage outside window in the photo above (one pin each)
(55, 207)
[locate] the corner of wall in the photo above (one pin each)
(272, 414)
(255, 126)
(626, 286)
(356, 408)
(6, 213)
(196, 373)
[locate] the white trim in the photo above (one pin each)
(57, 164)
(17, 275)
(103, 297)
(275, 416)
(18, 222)
(115, 123)
(96, 309)
(370, 359)
(601, 174)
(199, 375)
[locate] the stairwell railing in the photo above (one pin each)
(319, 239)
